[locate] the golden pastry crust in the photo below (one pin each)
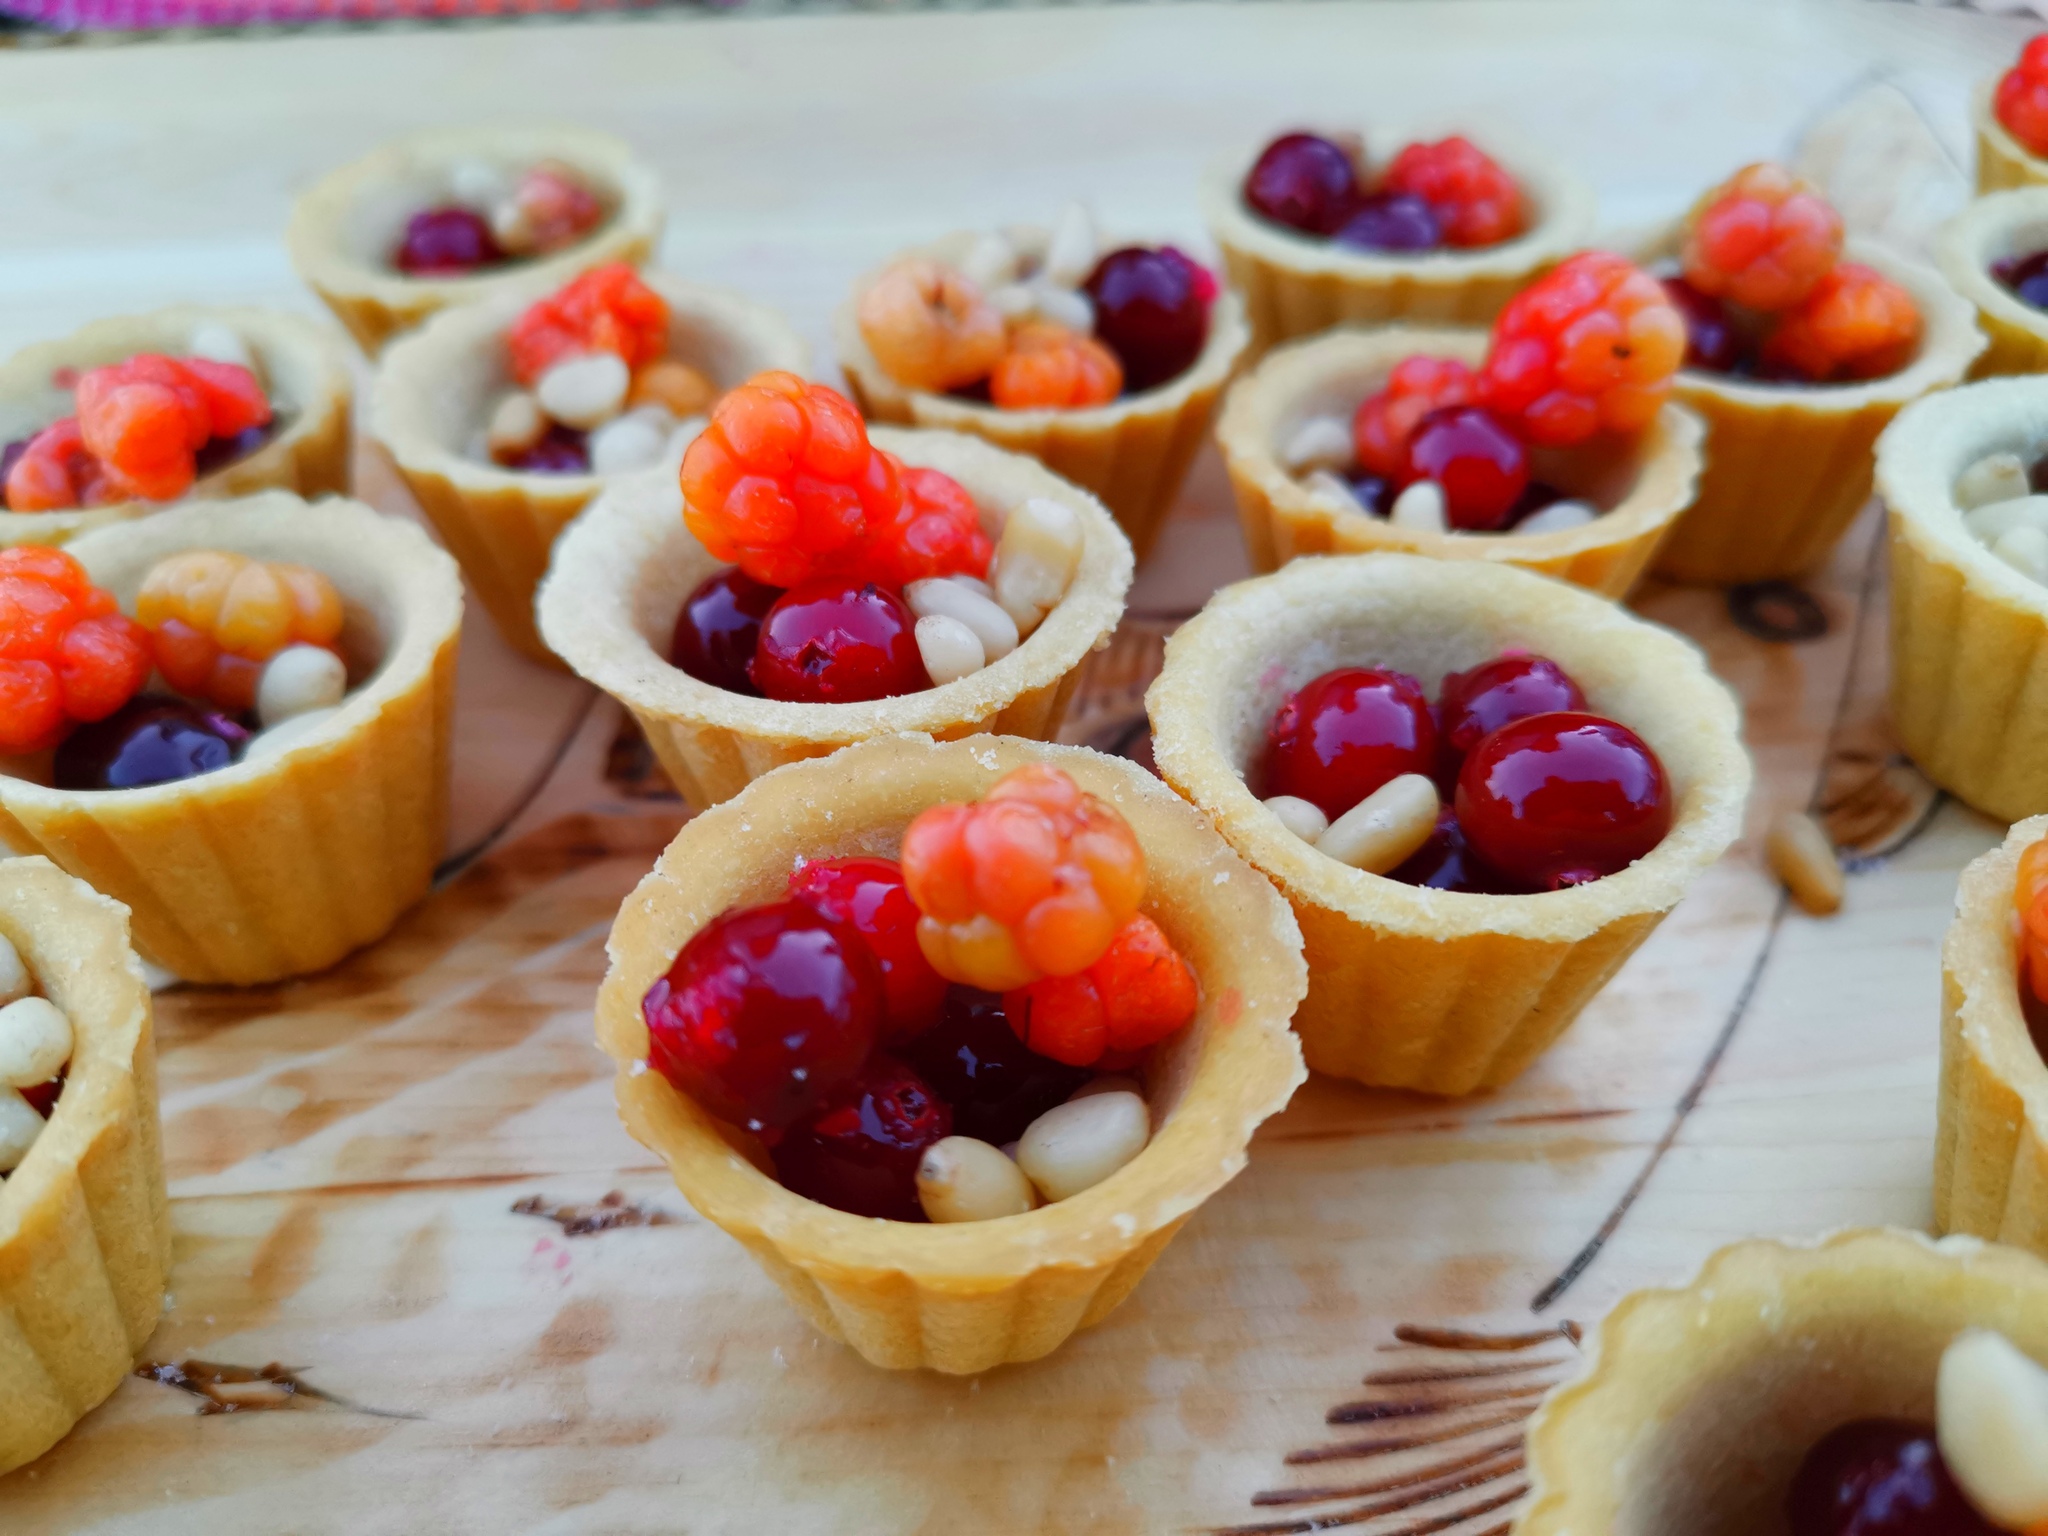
(2002, 161)
(1969, 639)
(1296, 285)
(1789, 466)
(300, 362)
(621, 572)
(1992, 229)
(967, 1297)
(1991, 1153)
(1696, 1406)
(85, 1229)
(279, 865)
(343, 230)
(1641, 487)
(433, 397)
(1444, 992)
(1133, 453)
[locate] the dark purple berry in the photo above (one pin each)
(1150, 311)
(2026, 276)
(1713, 342)
(562, 451)
(446, 242)
(1305, 182)
(220, 452)
(151, 739)
(1392, 221)
(718, 628)
(974, 1061)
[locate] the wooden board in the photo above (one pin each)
(356, 1160)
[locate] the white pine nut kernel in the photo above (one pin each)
(585, 391)
(287, 734)
(1383, 829)
(1035, 559)
(1421, 507)
(961, 1179)
(973, 584)
(1557, 517)
(1070, 253)
(35, 1041)
(1075, 1146)
(1113, 1083)
(990, 262)
(516, 425)
(1304, 818)
(1803, 857)
(628, 443)
(15, 980)
(1321, 442)
(1014, 301)
(1335, 490)
(1995, 477)
(952, 597)
(20, 1125)
(2025, 550)
(1064, 306)
(478, 185)
(1994, 520)
(949, 648)
(298, 680)
(1991, 1419)
(512, 226)
(220, 344)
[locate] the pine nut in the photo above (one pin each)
(35, 1041)
(627, 443)
(1304, 818)
(14, 977)
(585, 391)
(1557, 517)
(2025, 550)
(516, 425)
(1014, 301)
(1112, 1083)
(286, 734)
(1994, 520)
(1064, 306)
(1421, 507)
(961, 1179)
(950, 649)
(1803, 857)
(1075, 1146)
(990, 262)
(478, 184)
(220, 344)
(512, 226)
(1070, 253)
(1991, 1420)
(298, 680)
(19, 1127)
(1383, 829)
(955, 599)
(1321, 442)
(1334, 489)
(1995, 477)
(1035, 559)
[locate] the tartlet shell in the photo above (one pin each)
(622, 570)
(1331, 374)
(1442, 991)
(281, 865)
(2013, 223)
(302, 365)
(967, 1297)
(2002, 161)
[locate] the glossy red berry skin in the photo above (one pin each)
(1305, 182)
(868, 896)
(719, 627)
(1556, 800)
(1713, 342)
(1149, 311)
(446, 242)
(1481, 465)
(1880, 1477)
(838, 641)
(764, 1013)
(974, 1060)
(1475, 703)
(2021, 102)
(1341, 736)
(859, 1153)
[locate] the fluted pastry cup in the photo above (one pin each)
(969, 1296)
(2002, 161)
(1132, 453)
(344, 229)
(1991, 229)
(433, 398)
(1640, 487)
(85, 1229)
(281, 864)
(1969, 634)
(1696, 1406)
(1445, 992)
(300, 362)
(608, 607)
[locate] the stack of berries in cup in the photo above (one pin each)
(2021, 106)
(1766, 295)
(942, 1038)
(853, 576)
(1071, 329)
(493, 217)
(1432, 196)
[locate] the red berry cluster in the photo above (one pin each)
(1540, 794)
(607, 309)
(67, 654)
(1431, 195)
(2021, 103)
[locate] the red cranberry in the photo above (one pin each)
(868, 896)
(1150, 312)
(859, 1153)
(561, 451)
(446, 242)
(718, 628)
(1305, 182)
(1880, 1477)
(1713, 341)
(42, 1098)
(1482, 466)
(1446, 862)
(1337, 739)
(1470, 704)
(2026, 276)
(764, 1013)
(1560, 799)
(838, 641)
(1392, 221)
(995, 1083)
(151, 739)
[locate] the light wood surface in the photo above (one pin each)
(345, 1153)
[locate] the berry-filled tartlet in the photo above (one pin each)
(132, 412)
(1991, 1155)
(506, 417)
(1873, 1384)
(952, 1036)
(1321, 230)
(1960, 473)
(1435, 441)
(453, 215)
(85, 1228)
(1102, 361)
(234, 718)
(2011, 116)
(1480, 788)
(808, 584)
(1801, 347)
(1995, 254)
